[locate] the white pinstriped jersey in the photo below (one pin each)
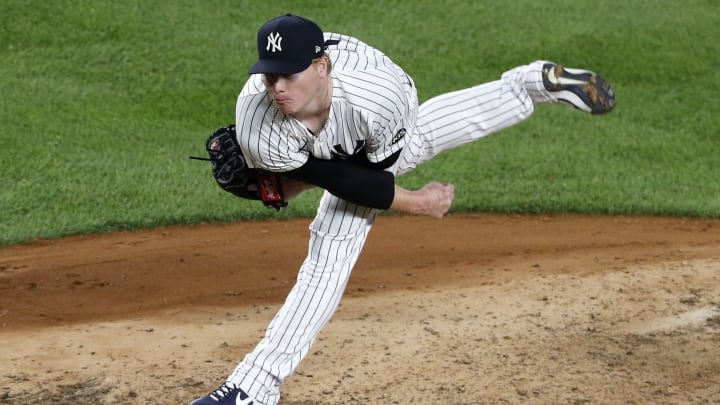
(374, 105)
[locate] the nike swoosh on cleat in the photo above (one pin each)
(239, 401)
(563, 81)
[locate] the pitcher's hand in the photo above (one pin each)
(433, 199)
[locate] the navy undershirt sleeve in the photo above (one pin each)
(350, 180)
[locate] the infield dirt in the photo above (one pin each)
(470, 309)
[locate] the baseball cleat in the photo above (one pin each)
(226, 394)
(582, 89)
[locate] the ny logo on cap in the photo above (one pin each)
(274, 42)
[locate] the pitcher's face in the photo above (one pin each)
(299, 93)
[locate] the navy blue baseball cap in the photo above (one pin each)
(288, 44)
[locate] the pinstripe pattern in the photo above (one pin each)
(372, 99)
(454, 119)
(369, 106)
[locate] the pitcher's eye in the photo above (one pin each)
(271, 79)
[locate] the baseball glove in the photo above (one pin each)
(232, 174)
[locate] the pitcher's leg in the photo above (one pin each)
(453, 119)
(338, 234)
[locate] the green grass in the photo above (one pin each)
(102, 103)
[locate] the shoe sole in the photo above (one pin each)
(589, 88)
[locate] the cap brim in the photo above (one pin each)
(279, 67)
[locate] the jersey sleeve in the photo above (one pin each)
(389, 134)
(380, 90)
(262, 132)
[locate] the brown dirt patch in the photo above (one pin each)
(470, 309)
